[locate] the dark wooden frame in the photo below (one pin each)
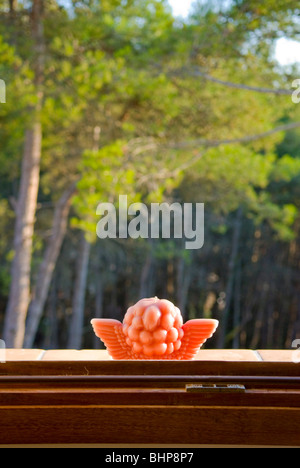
(150, 402)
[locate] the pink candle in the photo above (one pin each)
(154, 329)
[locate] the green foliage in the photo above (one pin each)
(13, 114)
(286, 168)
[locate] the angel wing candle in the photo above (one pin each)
(154, 329)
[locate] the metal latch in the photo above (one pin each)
(215, 388)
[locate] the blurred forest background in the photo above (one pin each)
(119, 97)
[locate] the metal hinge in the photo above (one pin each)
(215, 388)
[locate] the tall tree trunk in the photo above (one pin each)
(237, 307)
(75, 333)
(45, 272)
(146, 273)
(12, 6)
(19, 297)
(50, 340)
(183, 280)
(98, 306)
(231, 274)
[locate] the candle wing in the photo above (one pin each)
(111, 333)
(196, 332)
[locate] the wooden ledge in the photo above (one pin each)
(84, 397)
(231, 355)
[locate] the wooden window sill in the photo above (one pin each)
(231, 355)
(224, 397)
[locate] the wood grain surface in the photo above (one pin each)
(136, 402)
